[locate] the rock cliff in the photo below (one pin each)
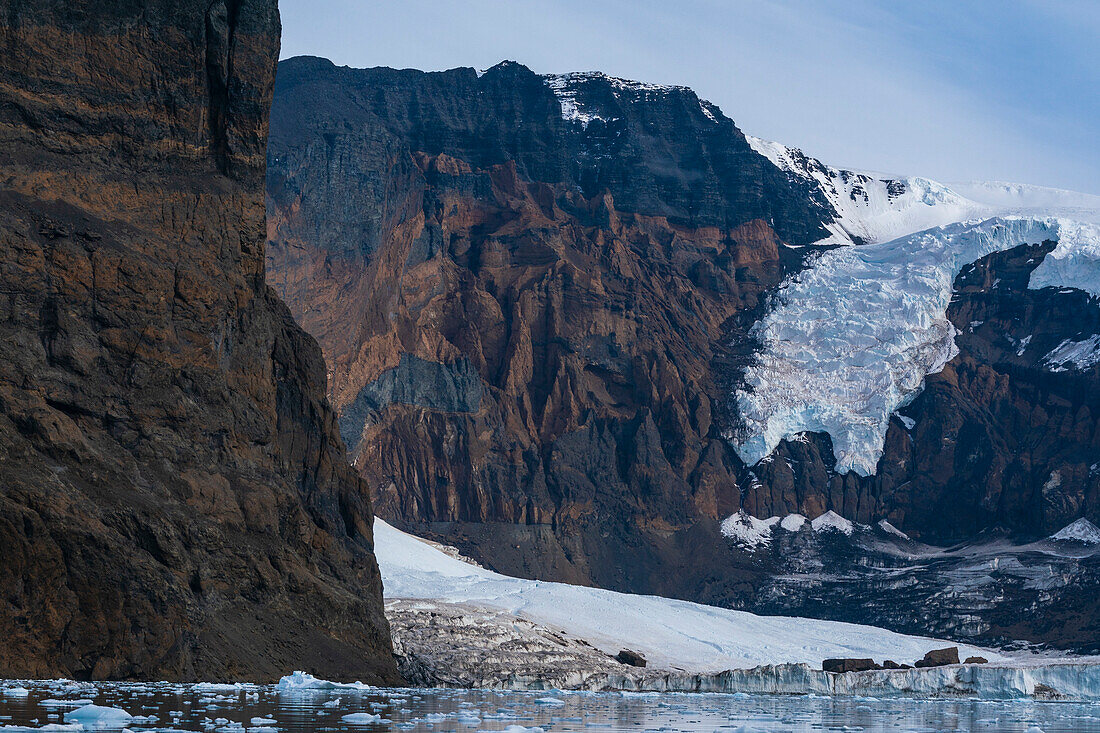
(534, 295)
(175, 499)
(523, 315)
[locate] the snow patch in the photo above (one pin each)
(830, 521)
(748, 531)
(891, 529)
(872, 208)
(852, 338)
(1070, 354)
(793, 522)
(1082, 530)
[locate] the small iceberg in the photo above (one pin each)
(361, 718)
(98, 716)
(302, 681)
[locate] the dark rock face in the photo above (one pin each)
(993, 591)
(520, 313)
(175, 501)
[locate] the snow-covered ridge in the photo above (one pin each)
(566, 86)
(871, 207)
(669, 633)
(854, 336)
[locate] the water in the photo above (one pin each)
(228, 709)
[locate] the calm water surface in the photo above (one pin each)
(163, 707)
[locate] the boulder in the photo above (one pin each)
(634, 659)
(976, 660)
(940, 657)
(848, 665)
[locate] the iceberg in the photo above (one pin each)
(98, 716)
(303, 681)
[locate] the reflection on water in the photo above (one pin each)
(160, 707)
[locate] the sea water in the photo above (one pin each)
(61, 705)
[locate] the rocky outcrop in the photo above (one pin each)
(175, 500)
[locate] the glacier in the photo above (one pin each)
(555, 635)
(852, 338)
(669, 633)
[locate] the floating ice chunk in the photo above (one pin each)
(300, 681)
(99, 716)
(15, 692)
(550, 701)
(264, 721)
(361, 718)
(748, 531)
(516, 729)
(58, 703)
(908, 422)
(1082, 530)
(830, 521)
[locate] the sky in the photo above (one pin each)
(954, 90)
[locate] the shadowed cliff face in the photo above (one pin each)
(175, 501)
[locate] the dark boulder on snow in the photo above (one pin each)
(848, 665)
(940, 657)
(634, 659)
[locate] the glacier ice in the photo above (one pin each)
(853, 337)
(1075, 261)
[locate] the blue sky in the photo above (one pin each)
(952, 90)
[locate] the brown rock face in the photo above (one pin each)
(175, 500)
(512, 355)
